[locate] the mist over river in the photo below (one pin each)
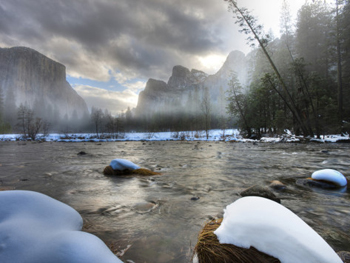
(158, 218)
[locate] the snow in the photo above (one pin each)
(214, 135)
(35, 228)
(273, 229)
(330, 175)
(332, 138)
(122, 164)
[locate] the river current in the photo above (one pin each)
(157, 219)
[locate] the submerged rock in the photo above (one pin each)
(145, 207)
(257, 190)
(318, 184)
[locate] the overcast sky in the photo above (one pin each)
(112, 47)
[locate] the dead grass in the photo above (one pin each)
(209, 250)
(143, 171)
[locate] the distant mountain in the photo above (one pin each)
(185, 85)
(30, 78)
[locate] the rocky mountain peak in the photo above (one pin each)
(155, 86)
(182, 78)
(184, 83)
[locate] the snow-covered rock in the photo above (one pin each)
(273, 229)
(35, 228)
(330, 175)
(122, 164)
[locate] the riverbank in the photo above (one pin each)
(232, 135)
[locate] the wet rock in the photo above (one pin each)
(277, 185)
(319, 184)
(81, 153)
(345, 140)
(344, 256)
(257, 190)
(210, 217)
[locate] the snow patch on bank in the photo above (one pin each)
(214, 135)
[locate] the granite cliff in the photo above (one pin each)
(30, 78)
(186, 85)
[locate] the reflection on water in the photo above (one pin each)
(160, 216)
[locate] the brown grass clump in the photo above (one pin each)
(6, 188)
(109, 171)
(142, 171)
(209, 250)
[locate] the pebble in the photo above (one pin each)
(277, 185)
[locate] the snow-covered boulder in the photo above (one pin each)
(122, 164)
(125, 167)
(35, 228)
(331, 176)
(273, 229)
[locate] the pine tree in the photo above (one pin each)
(250, 26)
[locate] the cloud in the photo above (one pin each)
(128, 41)
(143, 38)
(113, 101)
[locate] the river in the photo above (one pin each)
(157, 219)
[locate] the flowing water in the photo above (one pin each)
(157, 219)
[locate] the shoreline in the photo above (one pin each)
(230, 135)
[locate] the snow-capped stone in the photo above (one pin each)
(35, 228)
(274, 230)
(330, 175)
(122, 164)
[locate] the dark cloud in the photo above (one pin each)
(143, 38)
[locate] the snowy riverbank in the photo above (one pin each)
(214, 135)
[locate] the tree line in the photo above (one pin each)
(300, 81)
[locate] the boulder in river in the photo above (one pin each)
(330, 176)
(326, 179)
(125, 167)
(209, 249)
